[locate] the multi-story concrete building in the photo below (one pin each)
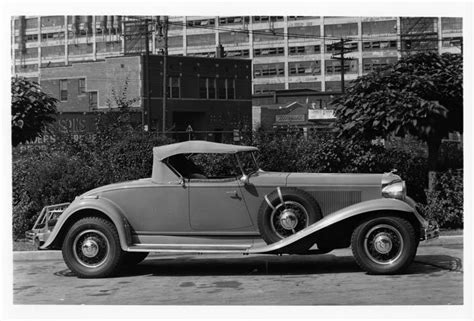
(287, 52)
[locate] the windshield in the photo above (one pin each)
(248, 162)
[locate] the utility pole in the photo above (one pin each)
(342, 65)
(342, 59)
(147, 73)
(164, 32)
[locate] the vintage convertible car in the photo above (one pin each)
(182, 209)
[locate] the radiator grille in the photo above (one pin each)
(335, 200)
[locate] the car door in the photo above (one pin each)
(218, 205)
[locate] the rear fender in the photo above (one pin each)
(80, 208)
(359, 209)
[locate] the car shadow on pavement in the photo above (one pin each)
(275, 265)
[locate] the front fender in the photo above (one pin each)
(105, 206)
(381, 204)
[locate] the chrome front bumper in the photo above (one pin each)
(430, 232)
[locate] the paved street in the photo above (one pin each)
(435, 278)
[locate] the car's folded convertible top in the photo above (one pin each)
(198, 146)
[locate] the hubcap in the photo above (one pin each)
(288, 218)
(91, 248)
(383, 244)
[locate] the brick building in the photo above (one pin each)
(206, 94)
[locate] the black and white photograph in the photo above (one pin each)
(237, 160)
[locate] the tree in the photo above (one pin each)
(421, 95)
(32, 110)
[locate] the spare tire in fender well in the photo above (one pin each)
(286, 211)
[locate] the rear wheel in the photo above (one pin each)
(384, 245)
(91, 248)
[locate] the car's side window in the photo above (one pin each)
(184, 166)
(217, 166)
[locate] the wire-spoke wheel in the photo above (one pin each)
(384, 245)
(91, 248)
(288, 218)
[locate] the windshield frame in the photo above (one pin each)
(254, 161)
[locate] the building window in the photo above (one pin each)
(341, 30)
(301, 50)
(452, 42)
(314, 85)
(221, 88)
(334, 66)
(237, 53)
(63, 90)
(82, 86)
(199, 23)
(234, 37)
(269, 52)
(211, 88)
(207, 39)
(93, 100)
(52, 36)
(336, 47)
(269, 70)
(203, 88)
(230, 88)
(267, 18)
(174, 88)
(305, 32)
(379, 27)
(371, 64)
(305, 68)
(265, 88)
(273, 34)
(207, 88)
(379, 45)
(451, 24)
(418, 25)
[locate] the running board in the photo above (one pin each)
(260, 248)
(190, 248)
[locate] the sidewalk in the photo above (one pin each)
(57, 255)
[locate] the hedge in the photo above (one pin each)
(120, 152)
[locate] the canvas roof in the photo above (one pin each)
(198, 146)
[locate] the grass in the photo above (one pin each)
(23, 245)
(451, 232)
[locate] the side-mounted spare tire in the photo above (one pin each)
(285, 212)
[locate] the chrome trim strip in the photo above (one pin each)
(269, 203)
(279, 194)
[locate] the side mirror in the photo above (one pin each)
(245, 179)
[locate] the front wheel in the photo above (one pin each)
(384, 245)
(91, 248)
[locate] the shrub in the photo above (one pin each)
(71, 167)
(445, 202)
(324, 153)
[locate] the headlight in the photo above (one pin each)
(395, 190)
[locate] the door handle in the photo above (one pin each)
(233, 194)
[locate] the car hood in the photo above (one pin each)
(331, 179)
(115, 186)
(317, 179)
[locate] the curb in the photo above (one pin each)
(57, 255)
